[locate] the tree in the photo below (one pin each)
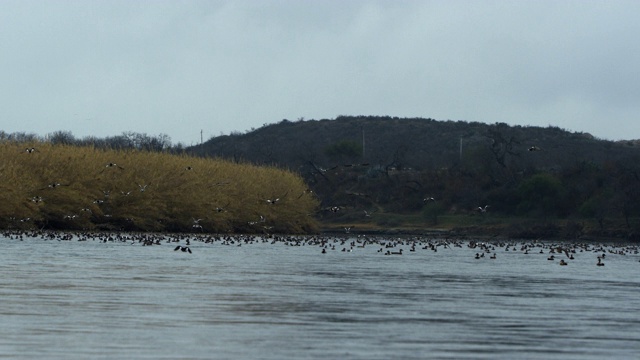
(62, 137)
(541, 195)
(344, 150)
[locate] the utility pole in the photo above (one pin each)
(363, 142)
(460, 148)
(200, 136)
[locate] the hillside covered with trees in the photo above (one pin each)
(536, 181)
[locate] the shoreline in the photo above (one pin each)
(474, 233)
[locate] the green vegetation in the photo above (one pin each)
(344, 151)
(415, 175)
(537, 181)
(84, 188)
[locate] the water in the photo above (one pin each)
(88, 299)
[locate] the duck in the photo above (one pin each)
(272, 201)
(143, 187)
(53, 185)
(562, 262)
(109, 165)
(183, 248)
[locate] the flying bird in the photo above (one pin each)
(109, 165)
(196, 224)
(143, 187)
(183, 249)
(53, 185)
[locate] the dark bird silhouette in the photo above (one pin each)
(182, 248)
(196, 224)
(54, 185)
(273, 201)
(110, 165)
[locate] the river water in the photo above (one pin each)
(70, 299)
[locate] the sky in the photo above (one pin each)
(182, 67)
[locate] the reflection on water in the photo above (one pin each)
(88, 299)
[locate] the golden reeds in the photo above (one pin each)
(69, 187)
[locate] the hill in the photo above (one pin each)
(386, 165)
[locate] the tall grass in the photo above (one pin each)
(69, 187)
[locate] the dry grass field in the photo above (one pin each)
(69, 187)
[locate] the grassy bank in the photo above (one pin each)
(69, 187)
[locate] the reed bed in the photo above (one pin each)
(70, 187)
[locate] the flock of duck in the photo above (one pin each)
(561, 252)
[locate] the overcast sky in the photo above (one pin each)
(177, 67)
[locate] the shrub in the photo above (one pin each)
(60, 186)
